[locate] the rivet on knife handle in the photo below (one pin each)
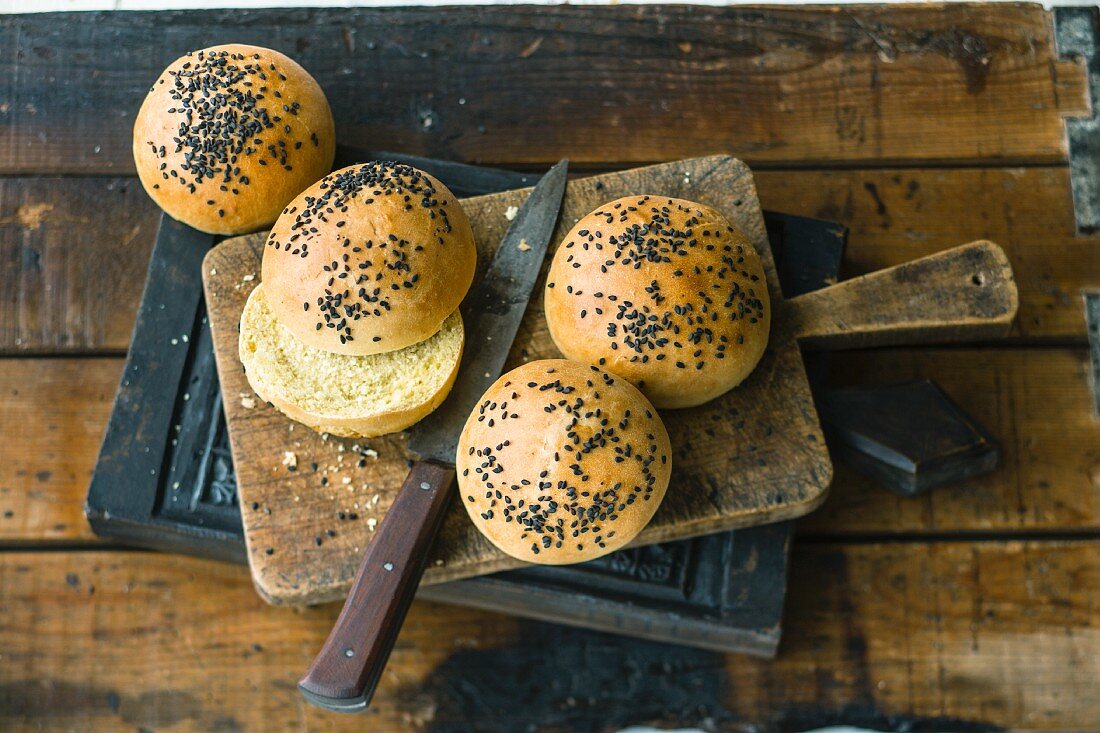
(347, 669)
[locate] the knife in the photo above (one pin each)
(345, 672)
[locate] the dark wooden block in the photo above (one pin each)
(723, 592)
(164, 478)
(911, 436)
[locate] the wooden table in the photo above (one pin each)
(977, 606)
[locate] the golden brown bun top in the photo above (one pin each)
(228, 135)
(664, 292)
(371, 258)
(561, 462)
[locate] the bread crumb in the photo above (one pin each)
(371, 523)
(510, 212)
(438, 563)
(213, 271)
(290, 460)
(248, 278)
(523, 246)
(247, 401)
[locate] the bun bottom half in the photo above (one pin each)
(349, 396)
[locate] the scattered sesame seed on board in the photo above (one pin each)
(247, 402)
(510, 212)
(290, 460)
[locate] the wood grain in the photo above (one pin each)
(103, 228)
(966, 293)
(73, 256)
(53, 415)
(995, 633)
(779, 470)
(623, 85)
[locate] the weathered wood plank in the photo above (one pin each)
(994, 634)
(599, 84)
(1037, 402)
(53, 415)
(73, 256)
(76, 248)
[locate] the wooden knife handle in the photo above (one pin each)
(347, 669)
(965, 293)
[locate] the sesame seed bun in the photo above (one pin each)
(661, 291)
(371, 258)
(353, 396)
(562, 462)
(229, 134)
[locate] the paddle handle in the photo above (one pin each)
(965, 293)
(345, 672)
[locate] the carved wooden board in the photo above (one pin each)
(755, 455)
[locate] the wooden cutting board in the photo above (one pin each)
(756, 455)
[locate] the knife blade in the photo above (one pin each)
(492, 315)
(345, 672)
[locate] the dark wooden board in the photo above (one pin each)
(150, 472)
(722, 591)
(524, 85)
(725, 591)
(778, 467)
